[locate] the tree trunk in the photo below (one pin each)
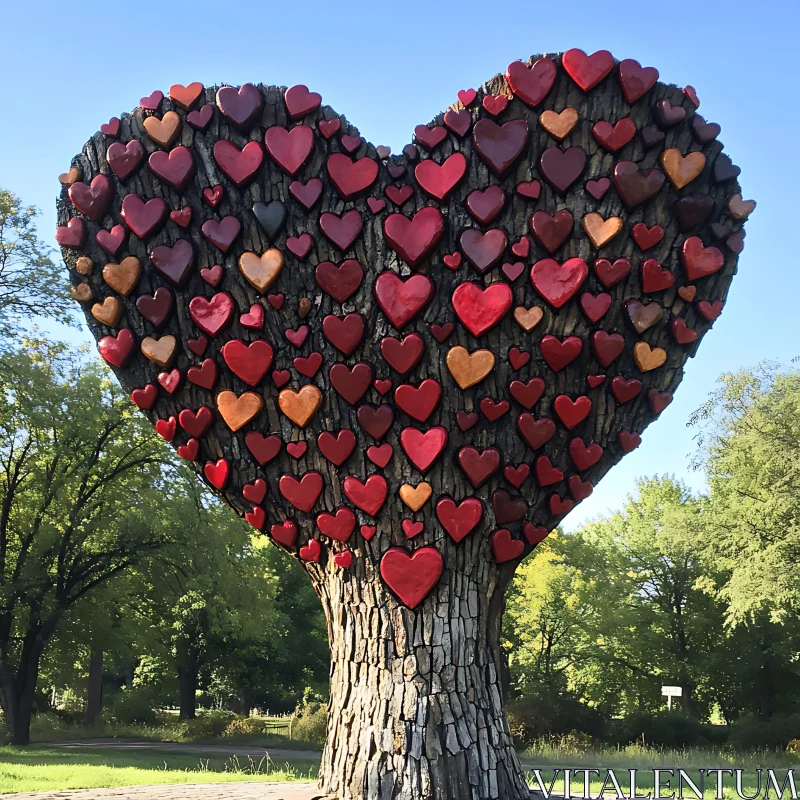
(18, 694)
(416, 707)
(188, 669)
(94, 694)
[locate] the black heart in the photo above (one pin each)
(271, 217)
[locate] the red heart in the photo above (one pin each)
(614, 137)
(459, 520)
(166, 428)
(376, 205)
(411, 577)
(483, 250)
(418, 401)
(658, 400)
(500, 146)
(517, 358)
(256, 517)
(625, 389)
(572, 412)
(583, 456)
(467, 97)
(182, 217)
(117, 349)
(522, 248)
(380, 455)
(143, 218)
(199, 118)
(290, 149)
(111, 240)
(341, 281)
(486, 204)
(629, 441)
(529, 189)
(551, 230)
(557, 283)
(654, 277)
(299, 336)
(217, 472)
(213, 195)
(351, 383)
(452, 260)
(255, 492)
(611, 274)
(212, 275)
(546, 473)
(310, 551)
(336, 448)
(513, 271)
(504, 547)
(72, 234)
(536, 432)
(351, 177)
(189, 450)
(404, 355)
(411, 528)
(493, 411)
(205, 375)
(646, 237)
(337, 526)
(606, 347)
(375, 420)
(480, 309)
(341, 230)
(558, 354)
(264, 448)
(579, 489)
(438, 180)
(254, 318)
(466, 421)
(276, 301)
(442, 332)
(300, 102)
(344, 333)
(221, 234)
(284, 534)
(196, 423)
(111, 128)
(174, 263)
(198, 345)
(531, 82)
(240, 166)
(595, 306)
(709, 311)
(308, 366)
(306, 193)
(152, 101)
(587, 71)
(598, 188)
(250, 362)
(495, 104)
(368, 496)
(699, 261)
(421, 448)
(478, 466)
(516, 475)
(175, 168)
(303, 493)
(595, 380)
(343, 560)
(414, 238)
(145, 398)
(368, 531)
(211, 316)
(91, 200)
(402, 300)
(280, 377)
(682, 333)
(561, 168)
(560, 506)
(636, 80)
(527, 394)
(430, 137)
(328, 127)
(534, 533)
(239, 105)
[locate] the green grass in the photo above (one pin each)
(547, 756)
(31, 769)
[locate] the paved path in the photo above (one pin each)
(183, 791)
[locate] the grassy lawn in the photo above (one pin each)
(31, 769)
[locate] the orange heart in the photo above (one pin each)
(108, 312)
(687, 293)
(648, 358)
(73, 176)
(528, 318)
(82, 292)
(84, 265)
(415, 496)
(741, 209)
(159, 351)
(261, 271)
(469, 368)
(124, 276)
(559, 125)
(300, 406)
(163, 131)
(601, 231)
(681, 169)
(237, 411)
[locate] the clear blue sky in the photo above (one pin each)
(388, 67)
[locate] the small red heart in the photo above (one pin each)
(493, 411)
(516, 475)
(302, 491)
(297, 337)
(171, 380)
(284, 533)
(182, 217)
(625, 389)
(343, 560)
(709, 311)
(212, 275)
(522, 248)
(527, 394)
(598, 188)
(399, 194)
(595, 380)
(112, 240)
(658, 400)
(546, 473)
(534, 533)
(376, 205)
(199, 118)
(452, 260)
(250, 362)
(296, 449)
(300, 246)
(311, 551)
(458, 122)
(606, 347)
(337, 526)
(559, 505)
(308, 365)
(276, 301)
(264, 448)
(654, 277)
(382, 386)
(595, 306)
(572, 412)
(629, 441)
(111, 128)
(351, 143)
(504, 547)
(189, 450)
(368, 531)
(380, 455)
(369, 495)
(646, 237)
(495, 104)
(583, 456)
(691, 93)
(166, 428)
(611, 274)
(529, 189)
(255, 492)
(300, 101)
(513, 271)
(681, 332)
(336, 449)
(152, 101)
(198, 345)
(442, 332)
(517, 358)
(466, 420)
(328, 127)
(254, 318)
(213, 195)
(217, 472)
(145, 398)
(280, 377)
(256, 517)
(579, 489)
(411, 528)
(205, 375)
(558, 354)
(467, 97)
(698, 260)
(430, 137)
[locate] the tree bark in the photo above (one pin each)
(416, 706)
(18, 693)
(188, 669)
(94, 694)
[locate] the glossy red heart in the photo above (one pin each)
(411, 576)
(583, 455)
(302, 493)
(339, 525)
(504, 547)
(557, 283)
(351, 382)
(369, 495)
(421, 448)
(337, 449)
(418, 401)
(403, 355)
(481, 309)
(211, 316)
(402, 300)
(558, 354)
(290, 149)
(459, 519)
(478, 466)
(250, 362)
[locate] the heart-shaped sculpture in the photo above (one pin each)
(407, 273)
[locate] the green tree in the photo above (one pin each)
(84, 493)
(31, 283)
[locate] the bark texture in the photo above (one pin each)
(416, 708)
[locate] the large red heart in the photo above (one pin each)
(414, 298)
(409, 576)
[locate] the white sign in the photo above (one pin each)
(672, 691)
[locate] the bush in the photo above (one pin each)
(551, 716)
(311, 723)
(246, 726)
(750, 732)
(210, 725)
(661, 729)
(133, 706)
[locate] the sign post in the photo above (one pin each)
(669, 692)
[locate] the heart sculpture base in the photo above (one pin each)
(406, 370)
